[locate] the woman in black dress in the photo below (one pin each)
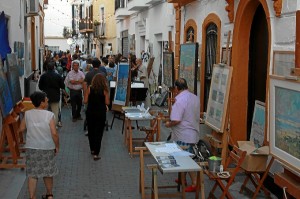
(97, 99)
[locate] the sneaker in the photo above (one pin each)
(190, 188)
(59, 124)
(86, 133)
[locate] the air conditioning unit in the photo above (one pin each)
(32, 7)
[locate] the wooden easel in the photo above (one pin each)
(8, 136)
(221, 140)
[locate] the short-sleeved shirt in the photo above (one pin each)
(72, 75)
(186, 109)
(38, 134)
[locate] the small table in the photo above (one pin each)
(185, 164)
(132, 114)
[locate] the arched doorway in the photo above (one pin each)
(258, 63)
(251, 36)
(211, 34)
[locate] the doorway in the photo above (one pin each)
(258, 63)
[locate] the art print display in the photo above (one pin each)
(218, 97)
(189, 65)
(257, 134)
(168, 69)
(6, 103)
(284, 120)
(13, 78)
(121, 84)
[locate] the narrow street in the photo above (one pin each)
(116, 175)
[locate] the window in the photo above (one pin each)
(210, 57)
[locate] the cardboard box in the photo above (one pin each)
(256, 158)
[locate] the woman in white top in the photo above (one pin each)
(42, 144)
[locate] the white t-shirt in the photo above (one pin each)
(38, 129)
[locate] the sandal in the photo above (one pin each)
(47, 196)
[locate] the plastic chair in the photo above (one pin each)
(236, 157)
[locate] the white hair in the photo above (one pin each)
(75, 61)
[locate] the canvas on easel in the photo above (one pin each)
(122, 92)
(168, 68)
(189, 65)
(13, 78)
(6, 102)
(218, 97)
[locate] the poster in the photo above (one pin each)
(6, 103)
(122, 83)
(168, 69)
(218, 97)
(189, 65)
(257, 133)
(13, 78)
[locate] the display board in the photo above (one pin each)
(284, 120)
(218, 97)
(189, 65)
(168, 69)
(13, 78)
(257, 134)
(122, 84)
(6, 103)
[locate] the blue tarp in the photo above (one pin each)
(4, 44)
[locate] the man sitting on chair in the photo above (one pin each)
(184, 122)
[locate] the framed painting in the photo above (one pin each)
(257, 134)
(283, 62)
(168, 68)
(218, 97)
(189, 65)
(284, 120)
(13, 78)
(120, 97)
(6, 103)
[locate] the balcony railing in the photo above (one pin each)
(85, 26)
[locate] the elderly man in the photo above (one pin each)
(184, 121)
(74, 81)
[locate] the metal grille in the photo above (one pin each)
(210, 58)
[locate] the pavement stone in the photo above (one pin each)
(114, 176)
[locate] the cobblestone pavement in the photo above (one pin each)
(115, 176)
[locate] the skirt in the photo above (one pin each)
(40, 163)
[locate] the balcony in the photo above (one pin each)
(85, 27)
(137, 5)
(121, 13)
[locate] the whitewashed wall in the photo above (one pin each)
(61, 42)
